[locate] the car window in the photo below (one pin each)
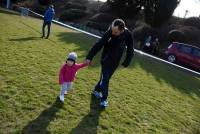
(196, 52)
(186, 49)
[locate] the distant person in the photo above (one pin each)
(147, 44)
(67, 74)
(155, 47)
(114, 42)
(48, 16)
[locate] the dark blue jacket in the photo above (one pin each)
(113, 48)
(49, 14)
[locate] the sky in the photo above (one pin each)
(193, 6)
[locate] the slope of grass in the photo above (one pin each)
(147, 97)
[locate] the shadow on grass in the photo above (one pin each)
(40, 124)
(37, 31)
(5, 11)
(25, 39)
(181, 80)
(83, 41)
(90, 122)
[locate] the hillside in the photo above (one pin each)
(147, 97)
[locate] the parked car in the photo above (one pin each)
(184, 54)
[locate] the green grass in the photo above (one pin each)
(148, 97)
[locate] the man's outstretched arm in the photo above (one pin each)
(98, 46)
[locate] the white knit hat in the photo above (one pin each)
(72, 56)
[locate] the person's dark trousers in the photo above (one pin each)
(43, 29)
(102, 85)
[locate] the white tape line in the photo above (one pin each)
(138, 51)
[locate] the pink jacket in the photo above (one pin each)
(67, 73)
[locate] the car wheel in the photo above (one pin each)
(171, 58)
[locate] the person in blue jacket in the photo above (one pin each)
(48, 16)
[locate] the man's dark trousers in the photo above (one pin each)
(102, 85)
(43, 28)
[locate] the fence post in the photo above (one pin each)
(8, 4)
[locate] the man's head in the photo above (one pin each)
(51, 6)
(117, 27)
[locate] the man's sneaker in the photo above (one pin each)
(65, 92)
(98, 95)
(104, 103)
(62, 98)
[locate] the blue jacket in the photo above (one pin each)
(49, 14)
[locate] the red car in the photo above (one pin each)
(183, 53)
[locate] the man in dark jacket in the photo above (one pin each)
(48, 16)
(115, 40)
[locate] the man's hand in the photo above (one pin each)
(87, 61)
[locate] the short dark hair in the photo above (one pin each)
(51, 6)
(120, 23)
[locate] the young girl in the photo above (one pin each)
(67, 74)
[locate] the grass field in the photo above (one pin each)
(148, 97)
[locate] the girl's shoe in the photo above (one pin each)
(65, 92)
(62, 98)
